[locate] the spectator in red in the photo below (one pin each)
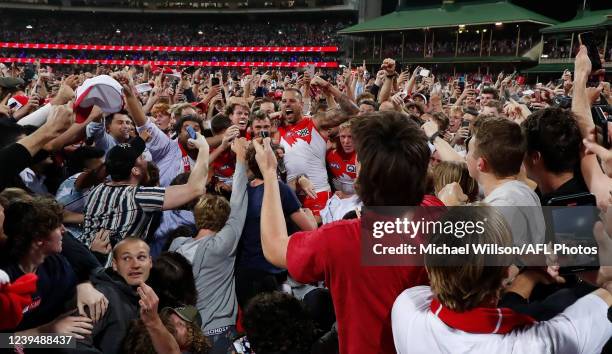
(341, 162)
(333, 252)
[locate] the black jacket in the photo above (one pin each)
(108, 333)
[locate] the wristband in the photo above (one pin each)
(433, 137)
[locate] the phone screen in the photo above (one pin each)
(573, 226)
(191, 132)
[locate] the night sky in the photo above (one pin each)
(546, 8)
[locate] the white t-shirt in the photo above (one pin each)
(521, 208)
(581, 328)
(336, 208)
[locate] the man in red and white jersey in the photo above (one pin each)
(305, 148)
(341, 162)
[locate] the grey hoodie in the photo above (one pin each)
(213, 257)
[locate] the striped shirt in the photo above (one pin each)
(125, 210)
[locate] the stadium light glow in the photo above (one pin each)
(200, 33)
(149, 48)
(498, 23)
(29, 26)
(224, 64)
(118, 31)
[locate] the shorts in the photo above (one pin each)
(315, 204)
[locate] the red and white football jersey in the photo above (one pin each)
(305, 152)
(343, 170)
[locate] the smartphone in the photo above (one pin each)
(264, 134)
(572, 225)
(465, 124)
(424, 73)
(588, 40)
(600, 114)
(191, 132)
(214, 81)
(581, 199)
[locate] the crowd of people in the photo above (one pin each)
(392, 47)
(220, 212)
(75, 29)
(163, 56)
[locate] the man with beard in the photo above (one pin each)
(123, 206)
(172, 156)
(304, 145)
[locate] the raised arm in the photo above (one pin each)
(75, 133)
(176, 196)
(57, 123)
(226, 240)
(334, 118)
(597, 182)
(134, 107)
(274, 236)
(446, 151)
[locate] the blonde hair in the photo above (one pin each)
(447, 172)
(463, 282)
(211, 212)
(345, 125)
(177, 109)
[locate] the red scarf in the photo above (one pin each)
(14, 298)
(186, 164)
(491, 320)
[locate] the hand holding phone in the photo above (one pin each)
(587, 39)
(191, 132)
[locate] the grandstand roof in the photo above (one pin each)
(549, 68)
(585, 20)
(475, 13)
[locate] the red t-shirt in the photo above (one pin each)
(224, 165)
(362, 296)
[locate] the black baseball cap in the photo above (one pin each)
(122, 157)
